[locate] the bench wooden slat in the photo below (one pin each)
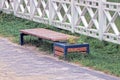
(46, 34)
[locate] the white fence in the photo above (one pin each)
(95, 18)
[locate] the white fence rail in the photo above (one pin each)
(95, 18)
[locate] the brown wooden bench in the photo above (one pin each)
(43, 34)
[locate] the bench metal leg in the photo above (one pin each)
(21, 39)
(88, 50)
(65, 53)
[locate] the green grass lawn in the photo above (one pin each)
(113, 0)
(104, 56)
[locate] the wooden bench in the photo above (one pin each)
(59, 48)
(43, 34)
(62, 48)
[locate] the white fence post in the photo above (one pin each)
(15, 6)
(32, 9)
(102, 19)
(74, 14)
(1, 4)
(50, 12)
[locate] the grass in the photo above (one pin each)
(104, 56)
(114, 0)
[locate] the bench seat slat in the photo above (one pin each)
(46, 34)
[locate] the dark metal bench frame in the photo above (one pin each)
(65, 47)
(22, 38)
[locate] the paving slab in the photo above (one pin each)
(20, 63)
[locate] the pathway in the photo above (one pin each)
(20, 63)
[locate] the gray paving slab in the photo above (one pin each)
(28, 65)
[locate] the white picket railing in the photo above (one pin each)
(95, 18)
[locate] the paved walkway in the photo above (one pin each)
(20, 63)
